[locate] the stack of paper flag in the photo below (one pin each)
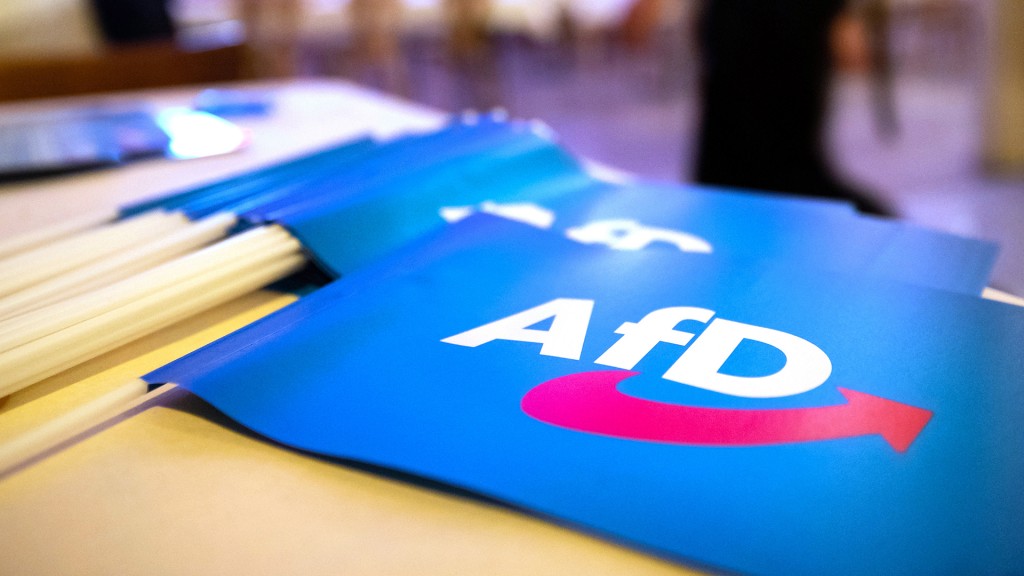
(743, 381)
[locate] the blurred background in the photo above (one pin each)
(925, 112)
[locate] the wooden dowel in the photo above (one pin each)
(22, 329)
(1000, 296)
(33, 266)
(43, 236)
(46, 356)
(118, 266)
(35, 441)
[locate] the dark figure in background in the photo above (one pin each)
(134, 21)
(766, 71)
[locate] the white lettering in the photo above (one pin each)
(564, 339)
(631, 235)
(806, 368)
(639, 338)
(524, 212)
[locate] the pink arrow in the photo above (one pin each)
(590, 402)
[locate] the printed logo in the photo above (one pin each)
(523, 212)
(591, 402)
(621, 234)
(617, 234)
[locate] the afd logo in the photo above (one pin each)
(590, 401)
(616, 233)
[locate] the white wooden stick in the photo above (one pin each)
(118, 266)
(33, 266)
(46, 356)
(22, 447)
(22, 329)
(1000, 296)
(42, 236)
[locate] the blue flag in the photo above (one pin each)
(747, 418)
(544, 186)
(750, 227)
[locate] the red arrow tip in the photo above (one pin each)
(898, 423)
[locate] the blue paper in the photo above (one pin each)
(376, 368)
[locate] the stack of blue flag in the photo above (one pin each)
(749, 382)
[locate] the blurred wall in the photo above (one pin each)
(56, 48)
(46, 28)
(1004, 141)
